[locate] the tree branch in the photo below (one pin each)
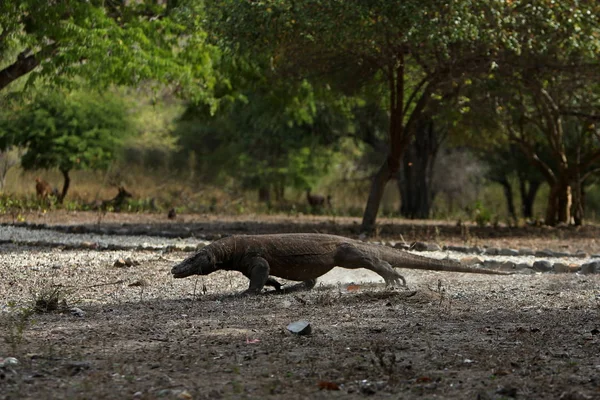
(24, 64)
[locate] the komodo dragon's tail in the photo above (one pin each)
(413, 261)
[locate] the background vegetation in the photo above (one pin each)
(422, 109)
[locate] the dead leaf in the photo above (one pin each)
(351, 287)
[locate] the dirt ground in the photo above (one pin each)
(145, 335)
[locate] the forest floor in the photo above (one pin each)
(141, 334)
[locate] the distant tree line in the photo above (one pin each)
(274, 88)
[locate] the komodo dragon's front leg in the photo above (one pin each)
(257, 270)
(348, 256)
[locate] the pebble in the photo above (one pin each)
(402, 246)
(300, 328)
(544, 253)
(508, 252)
(492, 251)
(591, 268)
(526, 252)
(580, 254)
(459, 249)
(8, 361)
(560, 268)
(542, 266)
(77, 312)
(422, 246)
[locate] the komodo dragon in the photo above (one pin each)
(305, 257)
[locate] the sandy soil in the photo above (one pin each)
(145, 335)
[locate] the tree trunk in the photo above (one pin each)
(528, 193)
(279, 192)
(578, 204)
(414, 179)
(565, 200)
(377, 187)
(508, 195)
(397, 144)
(559, 204)
(66, 184)
(264, 195)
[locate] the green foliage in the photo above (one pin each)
(67, 131)
(270, 139)
(481, 214)
(122, 42)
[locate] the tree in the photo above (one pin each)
(505, 161)
(412, 48)
(270, 139)
(547, 97)
(113, 41)
(67, 131)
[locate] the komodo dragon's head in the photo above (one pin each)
(201, 263)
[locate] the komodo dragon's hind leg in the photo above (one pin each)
(348, 256)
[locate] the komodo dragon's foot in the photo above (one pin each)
(396, 280)
(298, 287)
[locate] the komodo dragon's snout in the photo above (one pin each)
(202, 263)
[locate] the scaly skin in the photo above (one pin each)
(305, 257)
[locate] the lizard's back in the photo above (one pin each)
(294, 256)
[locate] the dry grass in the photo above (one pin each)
(455, 336)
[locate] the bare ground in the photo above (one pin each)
(451, 336)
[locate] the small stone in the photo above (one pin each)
(8, 361)
(402, 246)
(458, 249)
(475, 250)
(130, 263)
(138, 283)
(562, 254)
(545, 253)
(591, 268)
(433, 247)
(526, 252)
(300, 328)
(120, 263)
(580, 254)
(184, 395)
(573, 268)
(501, 265)
(508, 266)
(422, 246)
(492, 251)
(471, 260)
(77, 312)
(542, 266)
(137, 395)
(524, 269)
(508, 252)
(560, 268)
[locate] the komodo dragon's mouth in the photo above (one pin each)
(179, 272)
